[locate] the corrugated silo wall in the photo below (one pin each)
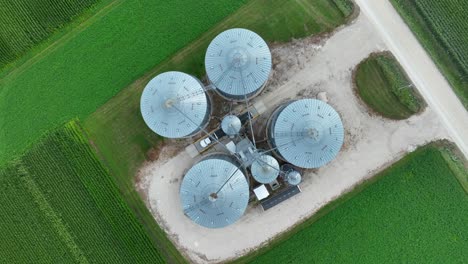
(270, 128)
(238, 98)
(208, 113)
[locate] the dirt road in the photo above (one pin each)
(420, 68)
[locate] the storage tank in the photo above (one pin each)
(265, 169)
(231, 125)
(238, 63)
(215, 192)
(175, 105)
(307, 133)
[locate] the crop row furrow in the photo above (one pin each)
(24, 24)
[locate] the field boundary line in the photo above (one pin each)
(62, 40)
(52, 217)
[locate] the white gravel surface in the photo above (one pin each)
(371, 143)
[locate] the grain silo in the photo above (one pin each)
(265, 169)
(291, 175)
(238, 64)
(215, 192)
(307, 133)
(175, 105)
(231, 125)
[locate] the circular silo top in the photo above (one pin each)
(265, 169)
(238, 62)
(214, 193)
(231, 125)
(174, 104)
(308, 133)
(293, 177)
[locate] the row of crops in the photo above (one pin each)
(95, 61)
(59, 204)
(24, 24)
(448, 19)
(442, 28)
(414, 212)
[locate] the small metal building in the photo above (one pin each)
(175, 105)
(215, 192)
(238, 63)
(307, 133)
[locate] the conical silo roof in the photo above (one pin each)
(215, 192)
(293, 177)
(307, 133)
(174, 105)
(265, 169)
(231, 125)
(238, 63)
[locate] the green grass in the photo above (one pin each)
(413, 212)
(25, 24)
(383, 85)
(442, 28)
(75, 76)
(59, 204)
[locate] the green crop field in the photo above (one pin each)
(59, 204)
(383, 85)
(90, 65)
(413, 212)
(24, 24)
(442, 28)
